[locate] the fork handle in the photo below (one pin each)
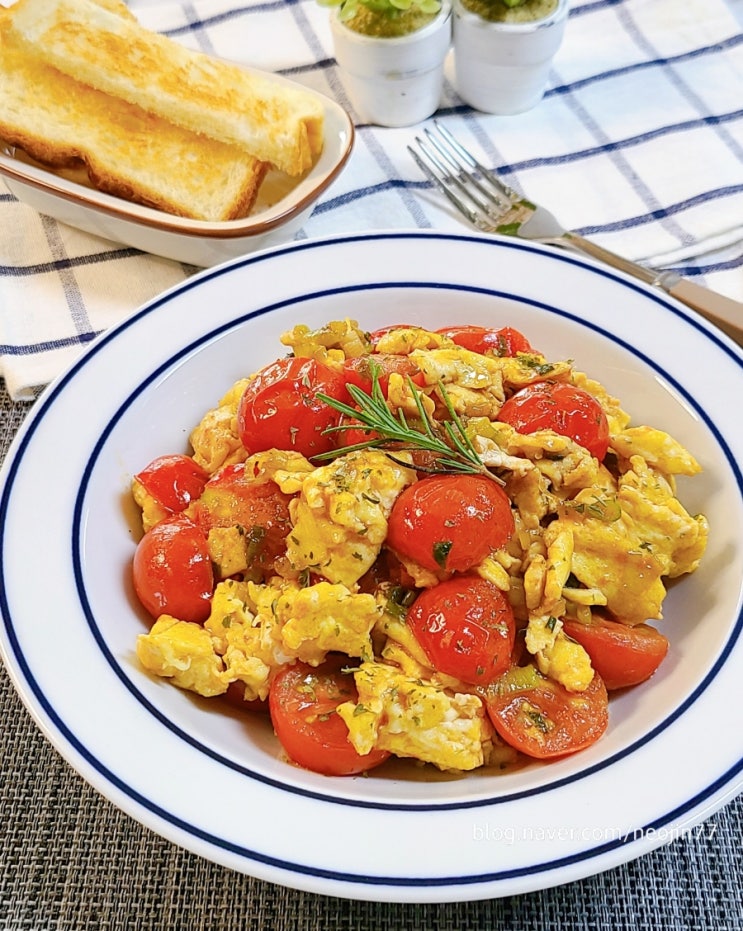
(715, 307)
(724, 312)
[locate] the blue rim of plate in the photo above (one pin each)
(44, 405)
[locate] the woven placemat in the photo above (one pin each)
(71, 860)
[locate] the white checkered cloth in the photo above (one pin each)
(637, 144)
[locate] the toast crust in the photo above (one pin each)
(208, 96)
(125, 150)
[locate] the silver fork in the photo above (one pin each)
(493, 207)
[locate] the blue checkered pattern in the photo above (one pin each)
(637, 144)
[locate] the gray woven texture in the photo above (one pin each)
(71, 860)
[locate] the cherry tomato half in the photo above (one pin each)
(173, 481)
(504, 341)
(280, 408)
(543, 719)
(466, 628)
(450, 523)
(172, 571)
(563, 408)
(230, 499)
(622, 655)
(302, 702)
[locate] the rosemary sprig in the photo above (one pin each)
(447, 439)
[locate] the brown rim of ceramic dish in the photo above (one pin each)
(76, 193)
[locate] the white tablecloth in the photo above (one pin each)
(637, 144)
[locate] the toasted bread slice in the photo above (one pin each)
(127, 151)
(277, 123)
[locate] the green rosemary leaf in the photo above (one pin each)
(455, 428)
(447, 440)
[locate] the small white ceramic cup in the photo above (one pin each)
(395, 81)
(503, 67)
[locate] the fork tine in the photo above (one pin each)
(446, 188)
(462, 181)
(493, 207)
(475, 191)
(469, 158)
(466, 176)
(444, 175)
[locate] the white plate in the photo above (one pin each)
(282, 206)
(674, 749)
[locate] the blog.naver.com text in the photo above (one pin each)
(486, 832)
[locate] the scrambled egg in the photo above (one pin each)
(331, 344)
(411, 718)
(152, 512)
(325, 618)
(215, 440)
(624, 546)
(228, 550)
(472, 381)
(588, 535)
(288, 469)
(401, 341)
(563, 464)
(548, 567)
(340, 516)
(182, 651)
(659, 450)
(618, 418)
(254, 630)
(556, 655)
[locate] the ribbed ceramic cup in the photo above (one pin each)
(503, 67)
(395, 81)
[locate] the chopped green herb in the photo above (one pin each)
(535, 364)
(605, 507)
(399, 600)
(538, 720)
(441, 551)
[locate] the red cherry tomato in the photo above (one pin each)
(173, 481)
(302, 702)
(504, 341)
(466, 628)
(620, 654)
(563, 408)
(230, 499)
(359, 371)
(543, 719)
(173, 572)
(353, 432)
(280, 408)
(450, 523)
